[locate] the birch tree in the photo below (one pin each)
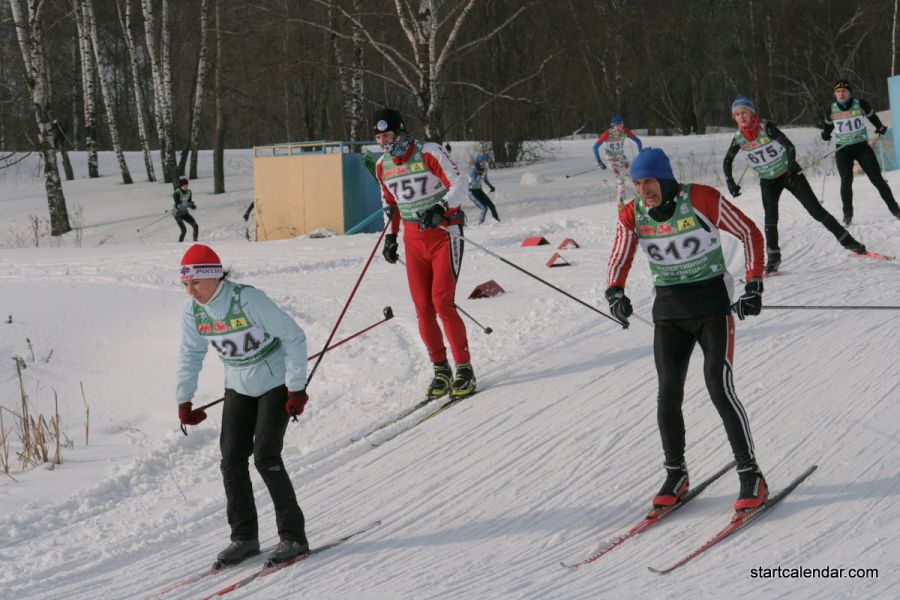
(104, 70)
(30, 35)
(219, 136)
(124, 14)
(89, 92)
(431, 29)
(200, 87)
(350, 74)
(162, 84)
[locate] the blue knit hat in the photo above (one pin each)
(651, 163)
(743, 102)
(616, 120)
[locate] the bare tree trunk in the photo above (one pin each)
(219, 137)
(161, 97)
(88, 76)
(350, 76)
(112, 125)
(30, 34)
(59, 143)
(165, 66)
(200, 91)
(894, 41)
(125, 23)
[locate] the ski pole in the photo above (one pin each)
(533, 276)
(487, 330)
(825, 307)
(580, 173)
(346, 306)
(388, 315)
(820, 159)
(153, 222)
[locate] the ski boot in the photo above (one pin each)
(773, 261)
(754, 490)
(852, 245)
(848, 218)
(285, 551)
(675, 486)
(442, 382)
(464, 382)
(236, 551)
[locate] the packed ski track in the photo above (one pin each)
(557, 453)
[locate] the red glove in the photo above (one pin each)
(296, 402)
(188, 416)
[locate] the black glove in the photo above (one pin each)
(390, 248)
(826, 135)
(750, 304)
(600, 164)
(733, 188)
(881, 130)
(493, 189)
(432, 217)
(191, 204)
(619, 304)
(246, 216)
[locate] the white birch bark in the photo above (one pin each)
(350, 76)
(160, 98)
(140, 109)
(200, 88)
(30, 35)
(89, 92)
(104, 71)
(165, 71)
(219, 136)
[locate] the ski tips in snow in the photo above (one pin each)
(875, 255)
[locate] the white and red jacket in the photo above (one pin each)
(691, 299)
(441, 174)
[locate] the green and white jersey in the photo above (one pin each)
(413, 185)
(767, 157)
(684, 249)
(850, 124)
(238, 341)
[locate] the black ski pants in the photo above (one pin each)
(800, 188)
(673, 342)
(484, 203)
(181, 220)
(865, 156)
(256, 427)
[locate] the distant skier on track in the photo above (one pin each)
(774, 158)
(264, 353)
(183, 201)
(478, 176)
(846, 118)
(425, 189)
(679, 225)
(613, 143)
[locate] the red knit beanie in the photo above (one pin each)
(201, 262)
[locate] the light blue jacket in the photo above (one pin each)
(286, 365)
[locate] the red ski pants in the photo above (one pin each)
(433, 260)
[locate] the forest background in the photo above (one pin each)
(175, 76)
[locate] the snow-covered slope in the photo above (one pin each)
(557, 452)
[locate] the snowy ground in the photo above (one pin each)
(558, 452)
